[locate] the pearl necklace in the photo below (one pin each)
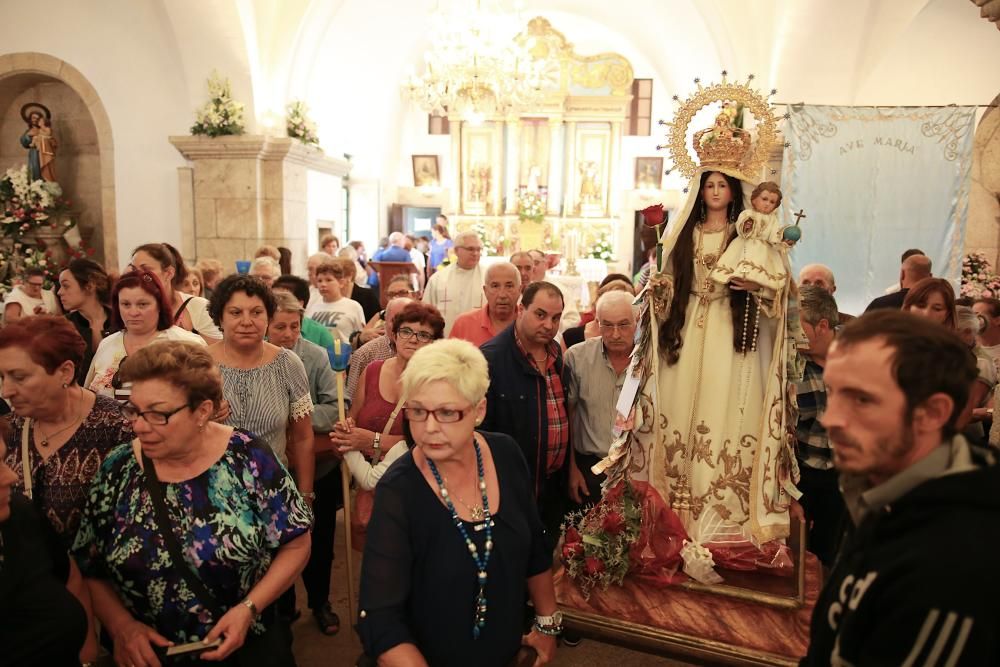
(481, 561)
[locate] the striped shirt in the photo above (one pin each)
(265, 399)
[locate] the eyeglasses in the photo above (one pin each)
(152, 417)
(398, 294)
(441, 415)
(406, 333)
(621, 326)
(470, 248)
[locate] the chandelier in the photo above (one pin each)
(475, 68)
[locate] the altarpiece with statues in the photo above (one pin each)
(548, 177)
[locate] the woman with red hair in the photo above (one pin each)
(60, 432)
(139, 307)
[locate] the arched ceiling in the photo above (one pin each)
(346, 57)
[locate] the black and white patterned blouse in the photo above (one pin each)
(265, 399)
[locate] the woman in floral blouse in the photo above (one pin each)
(232, 510)
(65, 430)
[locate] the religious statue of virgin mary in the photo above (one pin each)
(710, 433)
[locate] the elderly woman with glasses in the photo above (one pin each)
(378, 398)
(141, 312)
(372, 435)
(455, 541)
(193, 529)
(30, 297)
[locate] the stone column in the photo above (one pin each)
(556, 167)
(247, 191)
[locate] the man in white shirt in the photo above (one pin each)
(29, 298)
(458, 288)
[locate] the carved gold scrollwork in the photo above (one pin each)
(604, 70)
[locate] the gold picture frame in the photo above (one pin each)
(425, 171)
(648, 173)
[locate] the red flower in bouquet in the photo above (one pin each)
(572, 544)
(654, 215)
(594, 565)
(614, 523)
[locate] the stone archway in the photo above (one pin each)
(20, 72)
(983, 229)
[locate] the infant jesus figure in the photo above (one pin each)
(758, 254)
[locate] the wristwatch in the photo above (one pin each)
(549, 625)
(377, 444)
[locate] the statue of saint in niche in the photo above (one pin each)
(39, 141)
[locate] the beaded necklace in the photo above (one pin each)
(481, 561)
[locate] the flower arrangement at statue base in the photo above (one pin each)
(34, 219)
(978, 279)
(612, 539)
(632, 532)
(530, 206)
(602, 249)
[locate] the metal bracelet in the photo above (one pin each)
(550, 630)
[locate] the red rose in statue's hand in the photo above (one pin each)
(613, 523)
(593, 565)
(654, 215)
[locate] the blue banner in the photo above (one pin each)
(872, 183)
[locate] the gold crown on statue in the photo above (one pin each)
(725, 144)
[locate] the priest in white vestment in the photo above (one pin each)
(458, 288)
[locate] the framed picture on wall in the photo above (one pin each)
(425, 171)
(648, 173)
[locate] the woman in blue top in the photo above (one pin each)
(441, 244)
(231, 509)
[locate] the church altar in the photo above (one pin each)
(547, 177)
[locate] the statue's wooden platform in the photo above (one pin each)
(751, 619)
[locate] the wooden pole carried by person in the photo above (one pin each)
(339, 361)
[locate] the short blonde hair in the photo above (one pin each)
(456, 361)
(268, 251)
(187, 366)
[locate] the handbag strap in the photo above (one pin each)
(26, 457)
(191, 578)
(393, 415)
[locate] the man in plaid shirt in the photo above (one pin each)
(527, 396)
(821, 498)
